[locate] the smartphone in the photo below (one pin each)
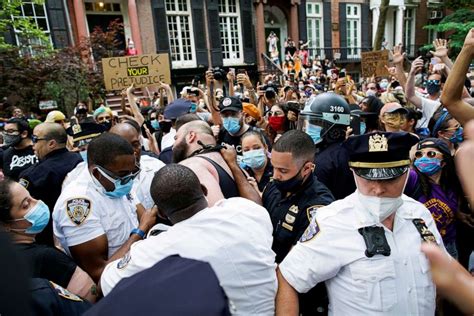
(355, 124)
(241, 71)
(232, 70)
(433, 61)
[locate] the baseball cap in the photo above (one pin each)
(177, 108)
(393, 107)
(230, 104)
(380, 155)
(251, 110)
(55, 116)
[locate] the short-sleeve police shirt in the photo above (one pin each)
(83, 213)
(334, 251)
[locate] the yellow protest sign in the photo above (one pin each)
(373, 63)
(141, 70)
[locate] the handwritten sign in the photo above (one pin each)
(373, 63)
(141, 70)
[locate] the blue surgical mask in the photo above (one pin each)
(314, 131)
(83, 155)
(38, 216)
(457, 136)
(254, 159)
(428, 166)
(155, 124)
(120, 189)
(363, 128)
(231, 124)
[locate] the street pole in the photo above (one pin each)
(209, 59)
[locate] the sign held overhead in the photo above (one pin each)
(141, 70)
(373, 63)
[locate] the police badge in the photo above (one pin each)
(311, 231)
(78, 209)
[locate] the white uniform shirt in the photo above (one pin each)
(168, 139)
(79, 173)
(234, 236)
(82, 213)
(399, 284)
(142, 183)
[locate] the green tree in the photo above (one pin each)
(456, 25)
(28, 31)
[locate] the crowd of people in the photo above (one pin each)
(307, 193)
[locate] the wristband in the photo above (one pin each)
(139, 232)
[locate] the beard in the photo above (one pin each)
(180, 151)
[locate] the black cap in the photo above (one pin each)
(230, 104)
(177, 108)
(84, 131)
(435, 143)
(380, 155)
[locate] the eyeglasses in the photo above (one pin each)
(36, 139)
(433, 81)
(112, 177)
(429, 154)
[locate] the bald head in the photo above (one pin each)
(49, 137)
(130, 134)
(201, 128)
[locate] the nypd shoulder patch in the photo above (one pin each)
(311, 231)
(311, 211)
(124, 261)
(78, 209)
(65, 293)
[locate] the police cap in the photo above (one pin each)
(380, 155)
(84, 131)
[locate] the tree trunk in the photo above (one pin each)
(381, 24)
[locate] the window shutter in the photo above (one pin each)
(161, 29)
(366, 34)
(214, 33)
(343, 30)
(327, 29)
(57, 23)
(302, 21)
(248, 32)
(198, 32)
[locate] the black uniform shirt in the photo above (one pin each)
(332, 169)
(291, 215)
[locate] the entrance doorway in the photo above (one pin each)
(275, 20)
(103, 21)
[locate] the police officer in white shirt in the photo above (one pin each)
(366, 247)
(234, 236)
(130, 131)
(96, 220)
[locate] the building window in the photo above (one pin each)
(353, 30)
(231, 42)
(409, 30)
(314, 21)
(180, 32)
(37, 14)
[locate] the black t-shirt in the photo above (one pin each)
(225, 138)
(48, 263)
(17, 160)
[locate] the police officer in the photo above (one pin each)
(366, 247)
(325, 118)
(96, 220)
(293, 197)
(43, 180)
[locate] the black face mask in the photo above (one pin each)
(165, 126)
(291, 184)
(106, 124)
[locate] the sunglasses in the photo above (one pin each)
(112, 177)
(276, 113)
(36, 139)
(433, 81)
(429, 154)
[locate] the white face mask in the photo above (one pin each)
(380, 207)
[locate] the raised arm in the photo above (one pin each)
(398, 58)
(137, 115)
(416, 67)
(453, 88)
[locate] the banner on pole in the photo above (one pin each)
(141, 70)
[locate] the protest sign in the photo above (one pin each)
(141, 70)
(373, 63)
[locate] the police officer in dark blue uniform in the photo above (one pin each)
(325, 118)
(292, 198)
(44, 179)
